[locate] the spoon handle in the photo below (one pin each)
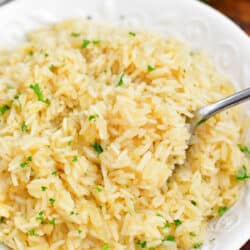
(206, 112)
(2, 2)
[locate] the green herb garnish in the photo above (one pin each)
(150, 68)
(96, 42)
(192, 234)
(193, 202)
(132, 33)
(98, 189)
(3, 109)
(201, 122)
(85, 44)
(159, 215)
(43, 188)
(92, 117)
(121, 82)
(31, 53)
(105, 247)
(170, 238)
(244, 149)
(40, 217)
(2, 219)
(242, 174)
(222, 210)
(52, 222)
(46, 55)
(23, 164)
(79, 231)
(177, 222)
(75, 34)
(31, 232)
(98, 148)
(26, 162)
(74, 213)
(75, 159)
(167, 224)
(54, 173)
(143, 244)
(52, 201)
(24, 127)
(39, 94)
(197, 245)
(52, 67)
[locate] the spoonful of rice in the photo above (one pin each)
(206, 112)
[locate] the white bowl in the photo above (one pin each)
(189, 20)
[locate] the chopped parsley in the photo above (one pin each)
(74, 213)
(159, 215)
(79, 231)
(52, 67)
(52, 222)
(26, 162)
(177, 222)
(92, 117)
(167, 224)
(75, 159)
(132, 33)
(201, 122)
(85, 44)
(24, 127)
(143, 244)
(75, 34)
(31, 53)
(127, 186)
(197, 245)
(105, 71)
(98, 189)
(2, 219)
(193, 202)
(46, 55)
(242, 174)
(121, 82)
(192, 234)
(35, 87)
(3, 109)
(170, 238)
(105, 247)
(52, 201)
(31, 232)
(43, 188)
(98, 148)
(54, 173)
(244, 149)
(150, 68)
(69, 143)
(40, 217)
(96, 42)
(222, 210)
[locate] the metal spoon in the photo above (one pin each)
(206, 112)
(2, 2)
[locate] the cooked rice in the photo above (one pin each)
(130, 95)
